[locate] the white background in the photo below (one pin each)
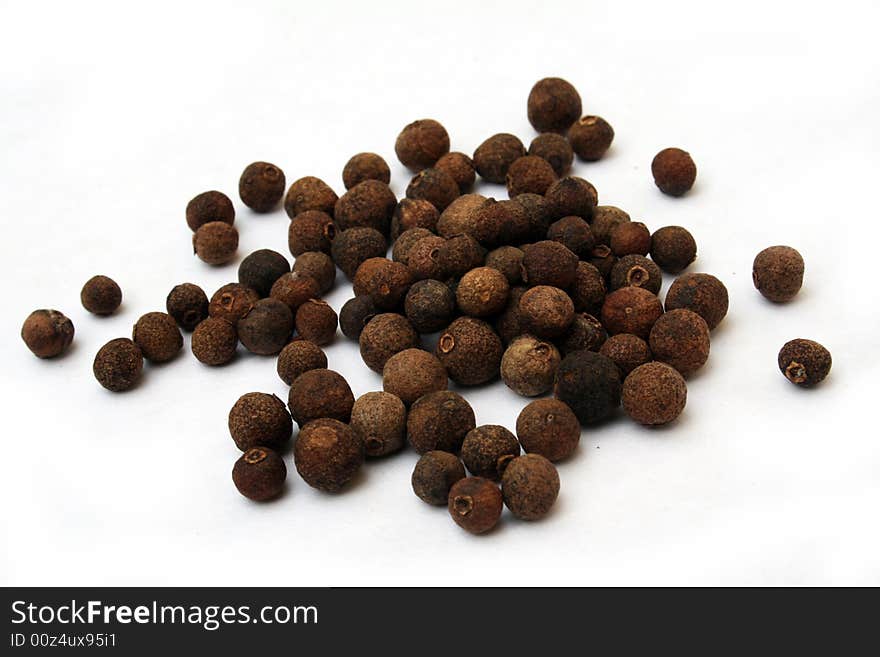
(114, 116)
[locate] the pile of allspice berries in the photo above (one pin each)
(547, 289)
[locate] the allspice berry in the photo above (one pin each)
(475, 504)
(589, 384)
(266, 328)
(488, 449)
(587, 292)
(470, 351)
(494, 156)
(590, 137)
(575, 234)
(298, 357)
(354, 315)
(413, 373)
(214, 341)
(528, 366)
(187, 303)
(407, 241)
(804, 362)
(585, 332)
(654, 394)
(318, 266)
(261, 186)
(434, 475)
(553, 105)
(482, 292)
(316, 321)
(118, 365)
(680, 338)
(439, 421)
(435, 186)
(320, 393)
(546, 311)
(365, 166)
(379, 420)
(460, 167)
(555, 149)
(456, 219)
(215, 242)
(674, 171)
(509, 324)
(260, 269)
(631, 310)
(101, 295)
(637, 271)
(258, 419)
(158, 337)
(548, 263)
(702, 293)
(353, 247)
(259, 474)
(673, 248)
(232, 302)
(530, 486)
(429, 306)
(309, 193)
(47, 333)
(386, 282)
(383, 336)
(606, 218)
(459, 254)
(529, 174)
(778, 273)
(630, 238)
(537, 215)
(208, 207)
(328, 454)
(413, 213)
(311, 230)
(507, 260)
(548, 427)
(421, 143)
(627, 351)
(571, 196)
(603, 259)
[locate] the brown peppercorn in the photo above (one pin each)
(631, 310)
(548, 427)
(101, 295)
(118, 365)
(47, 333)
(590, 137)
(317, 265)
(804, 362)
(673, 248)
(630, 238)
(187, 304)
(259, 474)
(654, 394)
(413, 213)
(778, 273)
(460, 167)
(297, 357)
(507, 260)
(260, 269)
(407, 240)
(429, 305)
(546, 311)
(386, 282)
(365, 166)
(549, 263)
(555, 149)
(439, 421)
(294, 289)
(627, 351)
(571, 196)
(553, 105)
(208, 207)
(354, 315)
(482, 292)
(585, 332)
(456, 219)
(309, 193)
(369, 204)
(493, 157)
(423, 259)
(316, 321)
(529, 174)
(681, 339)
(258, 419)
(232, 302)
(674, 171)
(261, 186)
(603, 259)
(311, 230)
(158, 337)
(587, 292)
(509, 324)
(459, 254)
(320, 393)
(497, 222)
(383, 336)
(605, 219)
(530, 486)
(537, 215)
(702, 293)
(528, 366)
(475, 504)
(470, 351)
(413, 373)
(435, 186)
(434, 475)
(328, 454)
(214, 341)
(637, 271)
(574, 233)
(421, 143)
(266, 328)
(379, 420)
(488, 449)
(215, 242)
(590, 384)
(352, 247)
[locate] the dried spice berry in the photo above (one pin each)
(460, 253)
(590, 137)
(383, 336)
(603, 259)
(549, 428)
(328, 454)
(208, 207)
(778, 273)
(470, 351)
(585, 332)
(460, 167)
(627, 351)
(429, 305)
(187, 304)
(413, 213)
(804, 362)
(496, 222)
(549, 263)
(475, 504)
(294, 289)
(266, 328)
(631, 310)
(352, 247)
(47, 333)
(101, 295)
(259, 474)
(435, 186)
(702, 293)
(537, 215)
(654, 394)
(590, 384)
(261, 186)
(507, 260)
(318, 266)
(118, 365)
(528, 366)
(630, 238)
(232, 302)
(488, 449)
(493, 157)
(546, 311)
(571, 196)
(555, 149)
(456, 219)
(405, 243)
(413, 373)
(261, 269)
(530, 486)
(215, 242)
(587, 292)
(439, 421)
(574, 233)
(258, 419)
(298, 357)
(674, 171)
(423, 259)
(529, 174)
(673, 248)
(311, 230)
(379, 420)
(369, 204)
(434, 475)
(316, 321)
(482, 292)
(365, 166)
(509, 324)
(553, 105)
(309, 193)
(637, 271)
(605, 219)
(354, 315)
(680, 338)
(320, 393)
(158, 337)
(386, 282)
(421, 143)
(214, 341)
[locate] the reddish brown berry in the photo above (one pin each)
(548, 427)
(260, 269)
(208, 207)
(529, 174)
(187, 304)
(259, 420)
(494, 156)
(630, 238)
(681, 339)
(379, 420)
(637, 271)
(530, 486)
(555, 149)
(311, 230)
(587, 292)
(298, 357)
(470, 351)
(590, 137)
(549, 263)
(365, 166)
(435, 186)
(383, 336)
(574, 233)
(528, 366)
(421, 143)
(439, 421)
(460, 167)
(488, 449)
(328, 454)
(627, 351)
(261, 186)
(475, 504)
(214, 341)
(804, 362)
(118, 365)
(158, 337)
(546, 311)
(571, 196)
(316, 321)
(47, 333)
(673, 248)
(654, 394)
(232, 302)
(369, 204)
(101, 295)
(674, 171)
(319, 394)
(702, 293)
(778, 273)
(434, 475)
(309, 193)
(413, 373)
(354, 246)
(413, 213)
(259, 474)
(482, 292)
(266, 328)
(553, 105)
(319, 266)
(631, 310)
(215, 242)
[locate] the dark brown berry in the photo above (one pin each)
(571, 196)
(319, 266)
(555, 149)
(530, 486)
(674, 171)
(118, 365)
(434, 475)
(482, 292)
(214, 341)
(574, 233)
(261, 186)
(630, 238)
(590, 137)
(298, 357)
(529, 174)
(528, 366)
(386, 282)
(537, 215)
(627, 351)
(232, 302)
(354, 246)
(778, 273)
(423, 259)
(354, 315)
(456, 219)
(470, 351)
(157, 336)
(548, 263)
(439, 421)
(413, 373)
(260, 269)
(208, 207)
(590, 384)
(47, 333)
(294, 289)
(365, 166)
(654, 394)
(475, 504)
(603, 259)
(320, 393)
(509, 324)
(680, 338)
(631, 310)
(385, 335)
(637, 271)
(702, 293)
(404, 244)
(548, 427)
(587, 292)
(316, 321)
(435, 186)
(413, 213)
(429, 305)
(507, 260)
(215, 242)
(187, 304)
(460, 167)
(497, 222)
(459, 254)
(546, 311)
(259, 474)
(673, 248)
(379, 420)
(488, 449)
(553, 105)
(605, 219)
(258, 419)
(585, 332)
(101, 295)
(311, 230)
(421, 143)
(328, 454)
(369, 204)
(309, 193)
(493, 157)
(804, 362)
(266, 328)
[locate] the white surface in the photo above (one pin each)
(113, 117)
